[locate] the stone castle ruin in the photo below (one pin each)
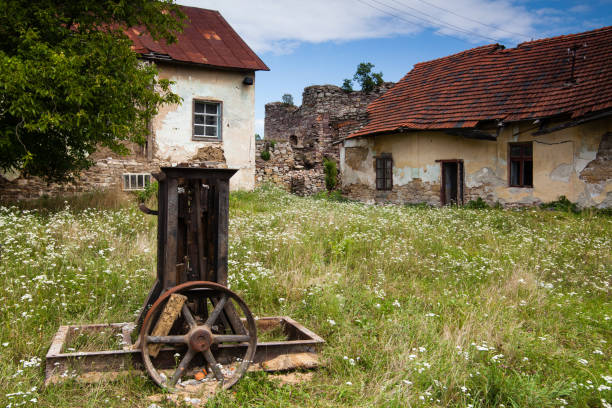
(300, 138)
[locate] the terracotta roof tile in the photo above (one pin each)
(493, 83)
(207, 39)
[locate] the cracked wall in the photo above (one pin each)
(574, 162)
(170, 142)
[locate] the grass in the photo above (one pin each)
(418, 306)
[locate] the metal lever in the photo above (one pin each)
(146, 209)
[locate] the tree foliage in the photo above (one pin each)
(347, 85)
(331, 173)
(70, 82)
(287, 99)
(364, 76)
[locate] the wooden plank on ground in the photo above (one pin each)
(166, 319)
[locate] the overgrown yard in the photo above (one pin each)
(419, 307)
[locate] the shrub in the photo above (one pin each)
(561, 204)
(331, 173)
(265, 155)
(477, 204)
(148, 192)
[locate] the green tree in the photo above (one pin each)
(347, 85)
(70, 82)
(287, 99)
(366, 78)
(257, 136)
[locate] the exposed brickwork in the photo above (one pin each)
(600, 169)
(415, 192)
(306, 135)
(281, 169)
(104, 175)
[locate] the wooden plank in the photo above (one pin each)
(200, 240)
(166, 319)
(169, 271)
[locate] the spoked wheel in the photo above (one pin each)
(207, 319)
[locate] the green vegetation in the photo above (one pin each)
(562, 204)
(265, 155)
(430, 307)
(364, 76)
(287, 99)
(70, 81)
(331, 173)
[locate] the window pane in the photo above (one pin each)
(199, 130)
(211, 120)
(515, 168)
(211, 108)
(211, 131)
(527, 150)
(199, 119)
(515, 150)
(147, 179)
(126, 182)
(132, 181)
(379, 184)
(380, 173)
(528, 176)
(379, 163)
(199, 107)
(140, 180)
(389, 184)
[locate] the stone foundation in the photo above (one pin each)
(106, 174)
(281, 169)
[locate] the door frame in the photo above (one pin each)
(460, 180)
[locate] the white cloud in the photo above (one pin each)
(280, 26)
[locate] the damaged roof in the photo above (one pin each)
(532, 81)
(207, 39)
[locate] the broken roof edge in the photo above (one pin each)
(226, 57)
(564, 116)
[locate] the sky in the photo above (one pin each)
(317, 42)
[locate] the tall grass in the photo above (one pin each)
(419, 307)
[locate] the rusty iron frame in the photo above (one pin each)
(58, 363)
(192, 252)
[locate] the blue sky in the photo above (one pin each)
(314, 42)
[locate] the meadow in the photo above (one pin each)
(419, 307)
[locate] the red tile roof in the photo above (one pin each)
(207, 39)
(492, 83)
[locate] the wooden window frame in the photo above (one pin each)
(130, 181)
(387, 168)
(219, 117)
(521, 159)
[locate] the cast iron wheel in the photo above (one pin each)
(198, 331)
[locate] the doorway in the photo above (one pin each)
(451, 191)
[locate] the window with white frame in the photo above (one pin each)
(206, 120)
(136, 181)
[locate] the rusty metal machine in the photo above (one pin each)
(190, 319)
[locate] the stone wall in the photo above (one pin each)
(106, 174)
(307, 134)
(281, 169)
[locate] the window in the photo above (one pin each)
(136, 181)
(206, 120)
(384, 172)
(521, 164)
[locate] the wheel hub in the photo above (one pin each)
(200, 338)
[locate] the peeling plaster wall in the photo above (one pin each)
(171, 138)
(575, 162)
(172, 127)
